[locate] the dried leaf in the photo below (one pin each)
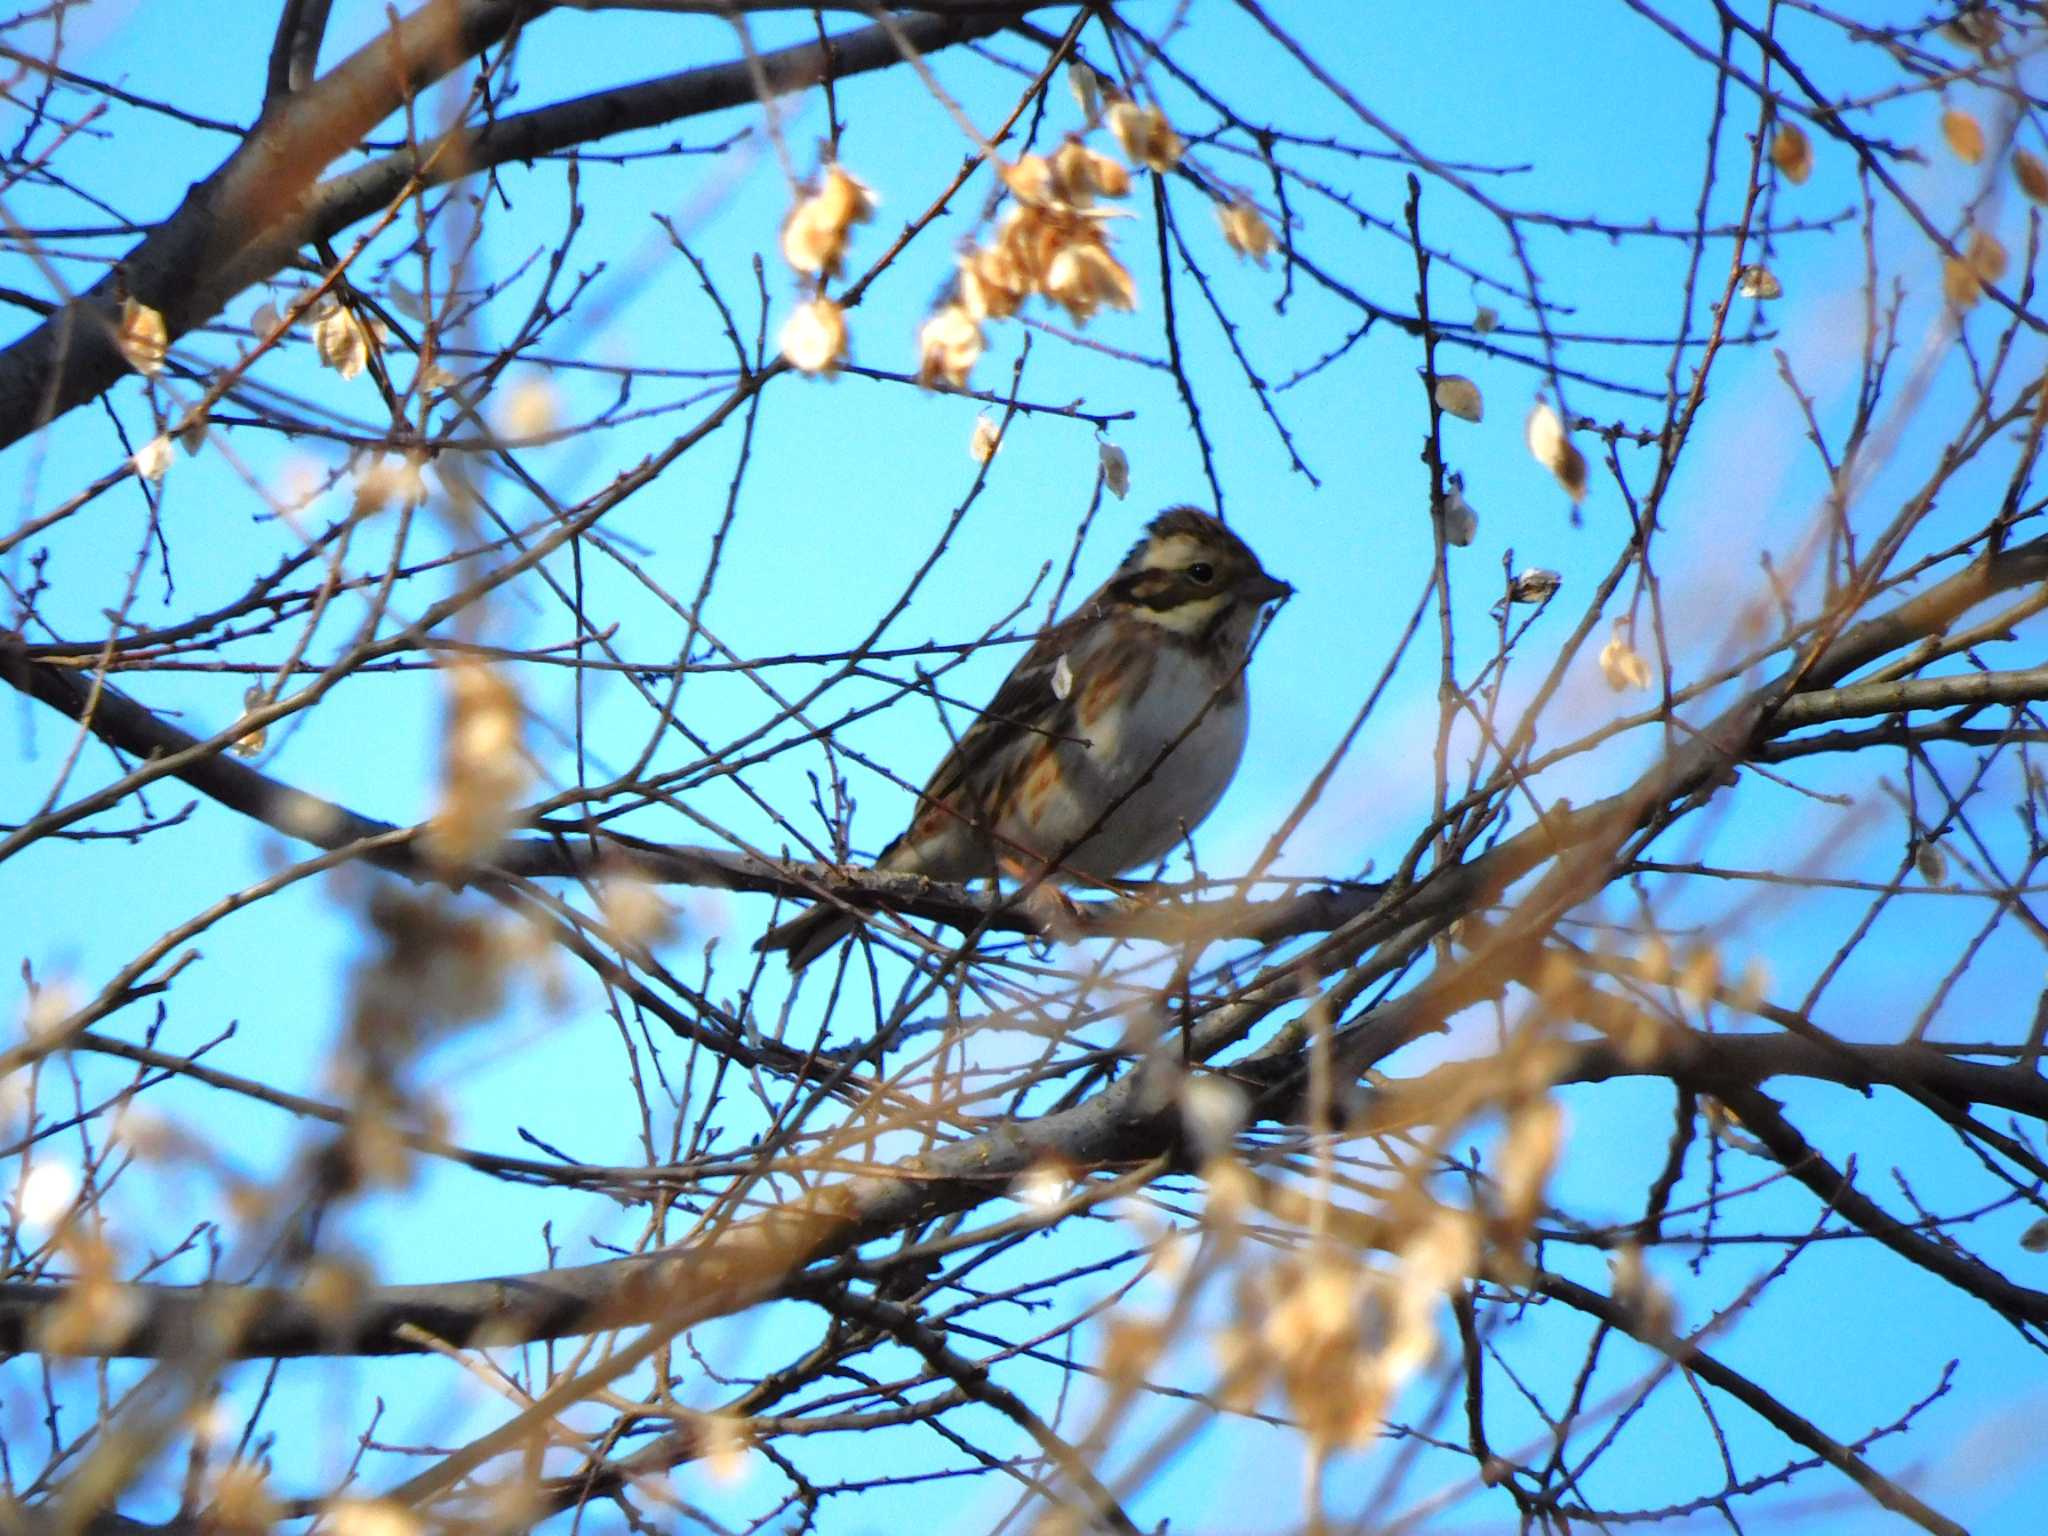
(1701, 976)
(727, 1440)
(371, 1517)
(2031, 174)
(1073, 177)
(949, 345)
(1635, 1288)
(1130, 1348)
(992, 286)
(1116, 469)
(1554, 450)
(1965, 135)
(1041, 1188)
(1758, 282)
(1461, 523)
(2035, 1238)
(1108, 175)
(1485, 320)
(1527, 1156)
(814, 337)
(987, 437)
(1792, 153)
(255, 696)
(382, 481)
(142, 337)
(1960, 284)
(1985, 255)
(1460, 396)
(1246, 229)
(1620, 663)
(1571, 471)
(1144, 134)
(814, 235)
(242, 1504)
(1930, 859)
(44, 1194)
(1213, 1110)
(153, 458)
(1084, 276)
(1752, 987)
(341, 341)
(530, 409)
(635, 911)
(484, 768)
(1087, 88)
(1033, 180)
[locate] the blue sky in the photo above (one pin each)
(848, 484)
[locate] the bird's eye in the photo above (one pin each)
(1202, 571)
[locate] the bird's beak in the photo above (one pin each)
(1267, 589)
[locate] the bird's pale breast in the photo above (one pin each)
(1126, 732)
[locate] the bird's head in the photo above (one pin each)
(1190, 574)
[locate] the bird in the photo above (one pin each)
(1108, 743)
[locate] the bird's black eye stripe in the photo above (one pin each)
(1202, 571)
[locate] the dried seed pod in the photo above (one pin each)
(1460, 396)
(2031, 174)
(143, 338)
(1620, 663)
(1792, 153)
(1555, 451)
(814, 337)
(1758, 282)
(1965, 135)
(1246, 229)
(948, 345)
(1116, 470)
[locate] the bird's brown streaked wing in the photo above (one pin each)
(1024, 707)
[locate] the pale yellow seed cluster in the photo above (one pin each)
(1983, 262)
(814, 336)
(1339, 1336)
(344, 341)
(97, 1310)
(484, 767)
(1552, 447)
(1246, 229)
(814, 243)
(814, 238)
(1620, 662)
(1052, 241)
(1144, 134)
(143, 338)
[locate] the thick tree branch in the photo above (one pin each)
(1762, 1118)
(2026, 686)
(748, 1262)
(247, 220)
(1795, 1427)
(344, 200)
(129, 727)
(1135, 1119)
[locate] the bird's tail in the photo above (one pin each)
(809, 934)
